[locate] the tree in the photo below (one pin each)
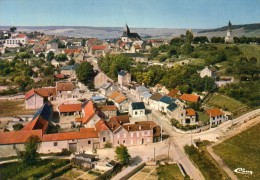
(122, 154)
(85, 72)
(200, 39)
(186, 49)
(30, 156)
(71, 62)
(50, 55)
(188, 37)
(17, 126)
(61, 57)
(41, 55)
(13, 29)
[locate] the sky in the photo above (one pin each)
(195, 14)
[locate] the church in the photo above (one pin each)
(128, 36)
(229, 37)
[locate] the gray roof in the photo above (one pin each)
(146, 94)
(137, 105)
(106, 85)
(172, 107)
(70, 67)
(142, 89)
(122, 73)
(167, 100)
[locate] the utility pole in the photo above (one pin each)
(210, 120)
(169, 148)
(191, 136)
(154, 154)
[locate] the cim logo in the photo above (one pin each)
(242, 171)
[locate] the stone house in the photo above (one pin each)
(209, 71)
(137, 109)
(64, 89)
(124, 78)
(119, 100)
(104, 133)
(154, 101)
(36, 98)
(70, 70)
(108, 110)
(108, 88)
(100, 79)
(97, 50)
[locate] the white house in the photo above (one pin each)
(209, 71)
(216, 116)
(137, 109)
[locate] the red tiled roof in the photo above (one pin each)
(17, 137)
(101, 126)
(36, 124)
(190, 112)
(175, 93)
(107, 108)
(190, 97)
(214, 112)
(121, 119)
(71, 51)
(98, 47)
(31, 93)
(69, 107)
(140, 126)
(84, 133)
(59, 76)
(91, 41)
(89, 112)
(113, 124)
(64, 86)
(122, 44)
(21, 36)
(43, 92)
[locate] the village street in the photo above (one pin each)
(179, 139)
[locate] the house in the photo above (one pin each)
(100, 79)
(119, 100)
(190, 117)
(98, 99)
(144, 96)
(156, 42)
(159, 88)
(69, 109)
(55, 63)
(216, 116)
(165, 101)
(190, 98)
(104, 133)
(84, 161)
(70, 70)
(140, 90)
(91, 114)
(154, 101)
(108, 110)
(108, 88)
(124, 78)
(64, 89)
(97, 50)
(144, 132)
(17, 41)
(36, 98)
(137, 109)
(209, 71)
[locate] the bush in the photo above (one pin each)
(108, 145)
(64, 152)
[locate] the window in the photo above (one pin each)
(55, 144)
(135, 112)
(104, 139)
(89, 142)
(117, 142)
(123, 141)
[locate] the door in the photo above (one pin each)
(72, 147)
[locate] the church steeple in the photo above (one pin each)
(229, 25)
(126, 31)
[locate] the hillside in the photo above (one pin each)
(238, 30)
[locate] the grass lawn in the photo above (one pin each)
(19, 171)
(242, 151)
(203, 117)
(225, 102)
(13, 107)
(250, 50)
(207, 166)
(169, 171)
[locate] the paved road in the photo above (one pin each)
(179, 140)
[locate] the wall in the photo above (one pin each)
(34, 102)
(10, 150)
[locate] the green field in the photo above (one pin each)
(16, 170)
(225, 102)
(242, 151)
(170, 171)
(207, 166)
(13, 107)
